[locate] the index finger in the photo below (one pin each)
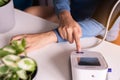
(77, 41)
(18, 37)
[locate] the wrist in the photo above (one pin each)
(51, 36)
(65, 15)
(47, 37)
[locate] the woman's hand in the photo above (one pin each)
(36, 41)
(69, 29)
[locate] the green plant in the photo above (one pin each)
(3, 2)
(12, 65)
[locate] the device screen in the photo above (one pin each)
(86, 61)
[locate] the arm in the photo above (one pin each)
(68, 29)
(90, 27)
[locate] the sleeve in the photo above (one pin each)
(61, 5)
(90, 28)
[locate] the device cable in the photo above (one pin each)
(107, 27)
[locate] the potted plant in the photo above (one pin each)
(7, 17)
(3, 2)
(16, 67)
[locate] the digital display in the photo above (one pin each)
(86, 61)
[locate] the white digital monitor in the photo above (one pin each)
(88, 65)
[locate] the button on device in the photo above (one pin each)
(92, 76)
(109, 69)
(80, 52)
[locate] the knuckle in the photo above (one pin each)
(75, 28)
(69, 29)
(64, 28)
(60, 30)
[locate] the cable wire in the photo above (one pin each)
(107, 27)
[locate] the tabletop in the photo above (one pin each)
(53, 59)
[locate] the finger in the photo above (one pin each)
(64, 33)
(18, 37)
(70, 35)
(77, 41)
(60, 32)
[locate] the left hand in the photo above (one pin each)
(36, 41)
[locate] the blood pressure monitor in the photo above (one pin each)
(88, 65)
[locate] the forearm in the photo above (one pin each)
(65, 16)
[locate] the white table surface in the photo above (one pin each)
(53, 59)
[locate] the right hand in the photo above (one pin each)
(69, 29)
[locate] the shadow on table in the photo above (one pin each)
(61, 62)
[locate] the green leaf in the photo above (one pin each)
(3, 53)
(8, 76)
(10, 61)
(22, 74)
(9, 49)
(23, 42)
(6, 1)
(14, 77)
(2, 3)
(27, 64)
(3, 69)
(19, 45)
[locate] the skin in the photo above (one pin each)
(69, 29)
(45, 12)
(37, 40)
